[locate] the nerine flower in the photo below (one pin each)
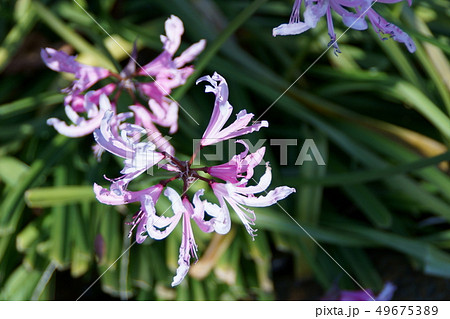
(230, 182)
(239, 195)
(353, 13)
(215, 132)
(165, 73)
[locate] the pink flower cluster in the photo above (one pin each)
(165, 73)
(229, 181)
(134, 137)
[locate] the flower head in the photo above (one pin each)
(230, 182)
(353, 15)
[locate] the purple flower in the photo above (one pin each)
(85, 75)
(82, 126)
(242, 163)
(353, 15)
(159, 227)
(237, 195)
(215, 132)
(150, 194)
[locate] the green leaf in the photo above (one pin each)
(29, 104)
(60, 236)
(17, 33)
(370, 205)
(20, 285)
(9, 207)
(57, 196)
(11, 170)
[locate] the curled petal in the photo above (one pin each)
(271, 198)
(142, 158)
(174, 31)
(89, 75)
(263, 184)
(182, 270)
(59, 61)
(354, 21)
(166, 113)
(106, 139)
(220, 215)
(198, 213)
(290, 29)
(111, 197)
(314, 12)
(188, 246)
(239, 164)
(159, 227)
(237, 195)
(189, 54)
(81, 126)
(85, 75)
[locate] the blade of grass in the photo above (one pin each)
(11, 170)
(29, 104)
(20, 285)
(17, 33)
(363, 268)
(370, 205)
(360, 177)
(69, 35)
(61, 246)
(39, 168)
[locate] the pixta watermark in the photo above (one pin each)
(289, 151)
(309, 152)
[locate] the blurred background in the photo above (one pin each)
(378, 115)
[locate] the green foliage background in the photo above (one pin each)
(379, 116)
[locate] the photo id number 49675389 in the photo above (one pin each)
(407, 310)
